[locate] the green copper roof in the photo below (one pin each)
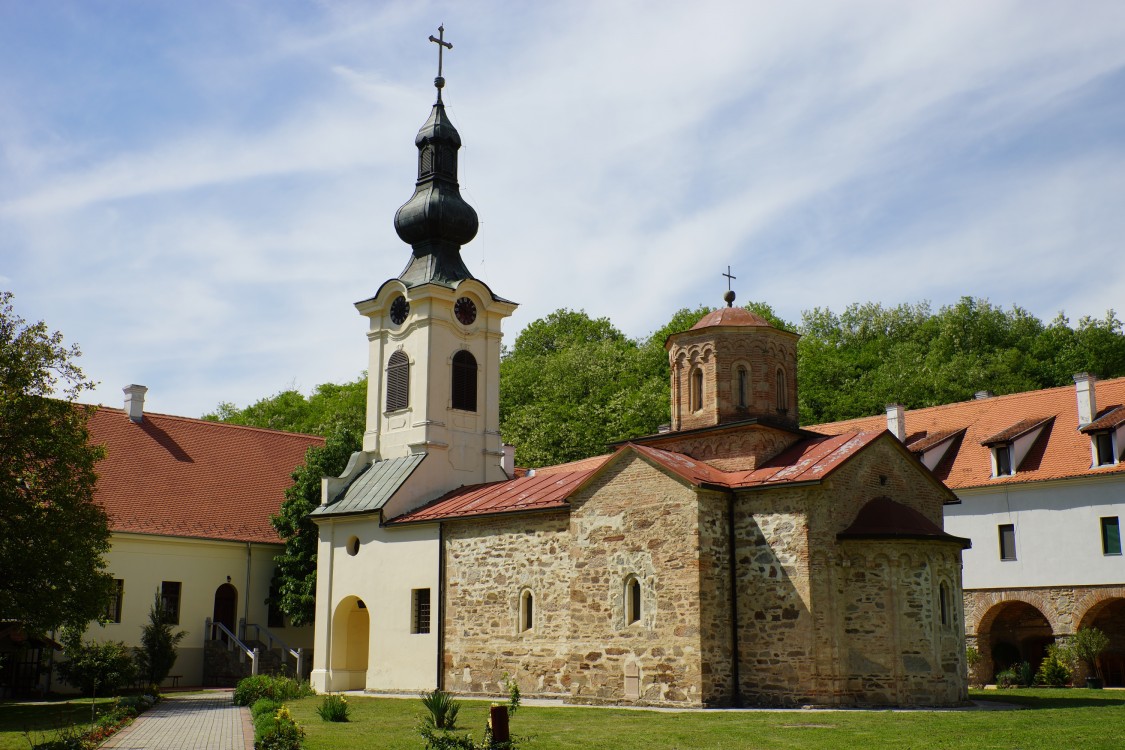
(371, 490)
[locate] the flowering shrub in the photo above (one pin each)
(333, 708)
(282, 733)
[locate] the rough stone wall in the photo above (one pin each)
(714, 599)
(635, 520)
(489, 563)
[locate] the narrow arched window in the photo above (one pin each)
(782, 392)
(944, 603)
(697, 390)
(632, 600)
(527, 611)
(743, 386)
(464, 381)
(398, 381)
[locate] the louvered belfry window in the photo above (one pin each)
(464, 381)
(398, 381)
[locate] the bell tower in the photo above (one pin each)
(434, 332)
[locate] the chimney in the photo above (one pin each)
(135, 402)
(1087, 402)
(982, 395)
(509, 461)
(896, 421)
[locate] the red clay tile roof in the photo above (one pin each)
(175, 476)
(1109, 420)
(1021, 427)
(1061, 452)
(924, 443)
(731, 316)
(883, 518)
(552, 486)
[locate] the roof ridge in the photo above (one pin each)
(212, 422)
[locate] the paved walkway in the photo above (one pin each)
(199, 721)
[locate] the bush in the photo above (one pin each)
(97, 667)
(1025, 674)
(1055, 671)
(333, 708)
(279, 689)
(1087, 645)
(278, 732)
(264, 706)
(442, 710)
(157, 654)
(1007, 679)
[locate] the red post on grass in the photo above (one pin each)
(498, 723)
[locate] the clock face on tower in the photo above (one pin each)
(465, 311)
(400, 308)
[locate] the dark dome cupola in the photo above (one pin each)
(436, 221)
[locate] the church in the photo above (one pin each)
(733, 559)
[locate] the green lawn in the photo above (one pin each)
(1051, 719)
(42, 720)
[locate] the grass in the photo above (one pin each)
(1066, 719)
(43, 719)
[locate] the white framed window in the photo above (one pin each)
(1002, 460)
(420, 611)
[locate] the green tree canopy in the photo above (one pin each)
(328, 406)
(293, 589)
(52, 534)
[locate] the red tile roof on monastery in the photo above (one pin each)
(1061, 450)
(731, 316)
(175, 476)
(551, 487)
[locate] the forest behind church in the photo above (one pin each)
(570, 384)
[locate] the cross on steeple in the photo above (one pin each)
(439, 82)
(729, 296)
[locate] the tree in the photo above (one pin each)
(52, 534)
(93, 667)
(157, 654)
(329, 405)
(293, 589)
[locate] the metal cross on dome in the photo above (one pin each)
(442, 46)
(729, 278)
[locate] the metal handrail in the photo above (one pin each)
(298, 654)
(233, 642)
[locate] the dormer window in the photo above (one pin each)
(1011, 446)
(1104, 453)
(1002, 456)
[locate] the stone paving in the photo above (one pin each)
(199, 721)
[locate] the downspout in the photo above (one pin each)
(246, 598)
(441, 608)
(732, 564)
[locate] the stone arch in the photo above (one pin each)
(986, 607)
(1012, 631)
(351, 643)
(1106, 612)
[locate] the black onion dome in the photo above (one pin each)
(436, 221)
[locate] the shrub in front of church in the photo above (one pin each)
(333, 708)
(1056, 667)
(278, 732)
(96, 668)
(251, 689)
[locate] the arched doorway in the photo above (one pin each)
(1109, 617)
(1014, 632)
(226, 608)
(351, 638)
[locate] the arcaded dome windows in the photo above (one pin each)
(398, 381)
(464, 395)
(782, 392)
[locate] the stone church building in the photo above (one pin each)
(735, 559)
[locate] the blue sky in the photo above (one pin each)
(196, 193)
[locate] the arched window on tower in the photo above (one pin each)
(426, 161)
(782, 392)
(398, 381)
(697, 389)
(464, 381)
(743, 386)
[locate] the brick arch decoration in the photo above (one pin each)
(1089, 606)
(988, 606)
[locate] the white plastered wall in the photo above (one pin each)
(1058, 533)
(390, 564)
(144, 561)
